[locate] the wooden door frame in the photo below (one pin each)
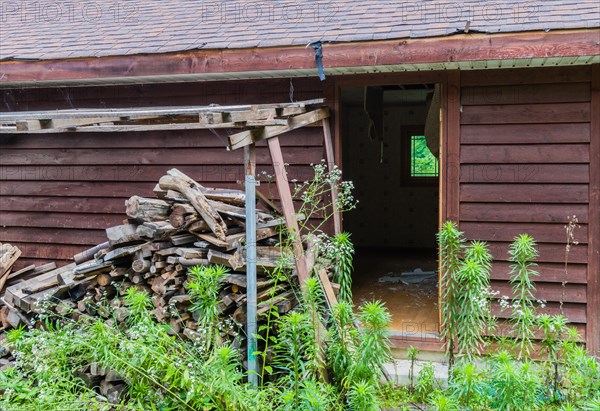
(449, 150)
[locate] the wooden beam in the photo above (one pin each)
(337, 216)
(245, 138)
(408, 51)
(145, 112)
(593, 283)
(451, 166)
(287, 205)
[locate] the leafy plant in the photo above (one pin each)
(523, 253)
(450, 242)
(412, 357)
(426, 382)
(339, 250)
(203, 287)
(515, 385)
(472, 311)
(362, 396)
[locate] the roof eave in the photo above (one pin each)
(465, 51)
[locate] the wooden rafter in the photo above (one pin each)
(156, 118)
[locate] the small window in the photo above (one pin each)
(422, 162)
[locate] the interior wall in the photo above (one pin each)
(389, 213)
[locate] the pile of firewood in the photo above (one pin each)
(186, 225)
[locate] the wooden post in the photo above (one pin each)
(287, 205)
(593, 281)
(337, 220)
(250, 167)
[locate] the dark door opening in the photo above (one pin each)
(390, 147)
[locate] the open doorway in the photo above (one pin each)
(390, 148)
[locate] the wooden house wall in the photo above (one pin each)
(525, 168)
(58, 192)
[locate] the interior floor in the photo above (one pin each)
(414, 306)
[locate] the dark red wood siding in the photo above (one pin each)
(525, 168)
(58, 192)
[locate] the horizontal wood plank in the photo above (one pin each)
(64, 204)
(521, 76)
(206, 174)
(57, 251)
(548, 272)
(526, 94)
(522, 213)
(491, 134)
(548, 253)
(525, 193)
(525, 113)
(305, 137)
(172, 156)
(550, 292)
(66, 220)
(506, 231)
(525, 154)
(524, 173)
(46, 236)
(575, 313)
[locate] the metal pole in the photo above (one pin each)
(250, 185)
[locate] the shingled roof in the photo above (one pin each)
(66, 29)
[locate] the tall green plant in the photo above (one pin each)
(523, 253)
(203, 288)
(450, 242)
(339, 250)
(472, 307)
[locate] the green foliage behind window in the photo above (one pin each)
(422, 162)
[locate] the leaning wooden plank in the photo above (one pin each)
(24, 271)
(7, 260)
(288, 208)
(188, 187)
(326, 284)
(337, 217)
(245, 138)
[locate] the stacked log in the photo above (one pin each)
(186, 225)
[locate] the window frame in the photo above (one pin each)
(406, 134)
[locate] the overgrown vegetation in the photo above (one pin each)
(534, 362)
(316, 357)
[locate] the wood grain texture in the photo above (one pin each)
(523, 213)
(525, 154)
(519, 76)
(525, 133)
(546, 233)
(525, 193)
(572, 293)
(453, 149)
(526, 94)
(593, 331)
(548, 272)
(527, 165)
(525, 173)
(527, 113)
